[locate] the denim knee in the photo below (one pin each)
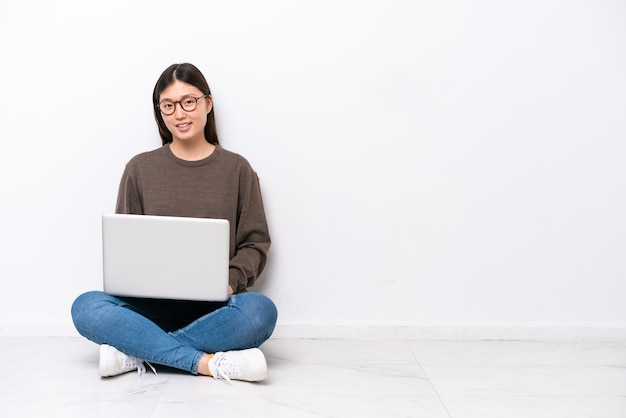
(81, 306)
(261, 312)
(85, 310)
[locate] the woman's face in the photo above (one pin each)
(185, 125)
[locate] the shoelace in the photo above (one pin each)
(132, 362)
(223, 369)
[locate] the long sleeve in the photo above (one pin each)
(128, 195)
(252, 234)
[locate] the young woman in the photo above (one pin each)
(191, 175)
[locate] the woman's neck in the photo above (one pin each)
(191, 151)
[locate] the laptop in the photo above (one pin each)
(165, 257)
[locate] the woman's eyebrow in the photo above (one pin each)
(172, 100)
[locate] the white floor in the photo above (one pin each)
(54, 377)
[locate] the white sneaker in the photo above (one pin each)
(114, 362)
(247, 365)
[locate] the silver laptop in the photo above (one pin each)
(165, 257)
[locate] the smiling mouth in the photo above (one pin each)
(183, 125)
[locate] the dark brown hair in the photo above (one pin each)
(190, 74)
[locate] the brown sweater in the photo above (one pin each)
(223, 185)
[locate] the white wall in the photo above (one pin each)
(425, 164)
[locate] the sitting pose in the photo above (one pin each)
(191, 175)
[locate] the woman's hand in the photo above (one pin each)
(230, 291)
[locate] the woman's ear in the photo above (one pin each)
(209, 104)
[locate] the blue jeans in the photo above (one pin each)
(174, 333)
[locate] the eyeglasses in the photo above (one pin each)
(187, 103)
